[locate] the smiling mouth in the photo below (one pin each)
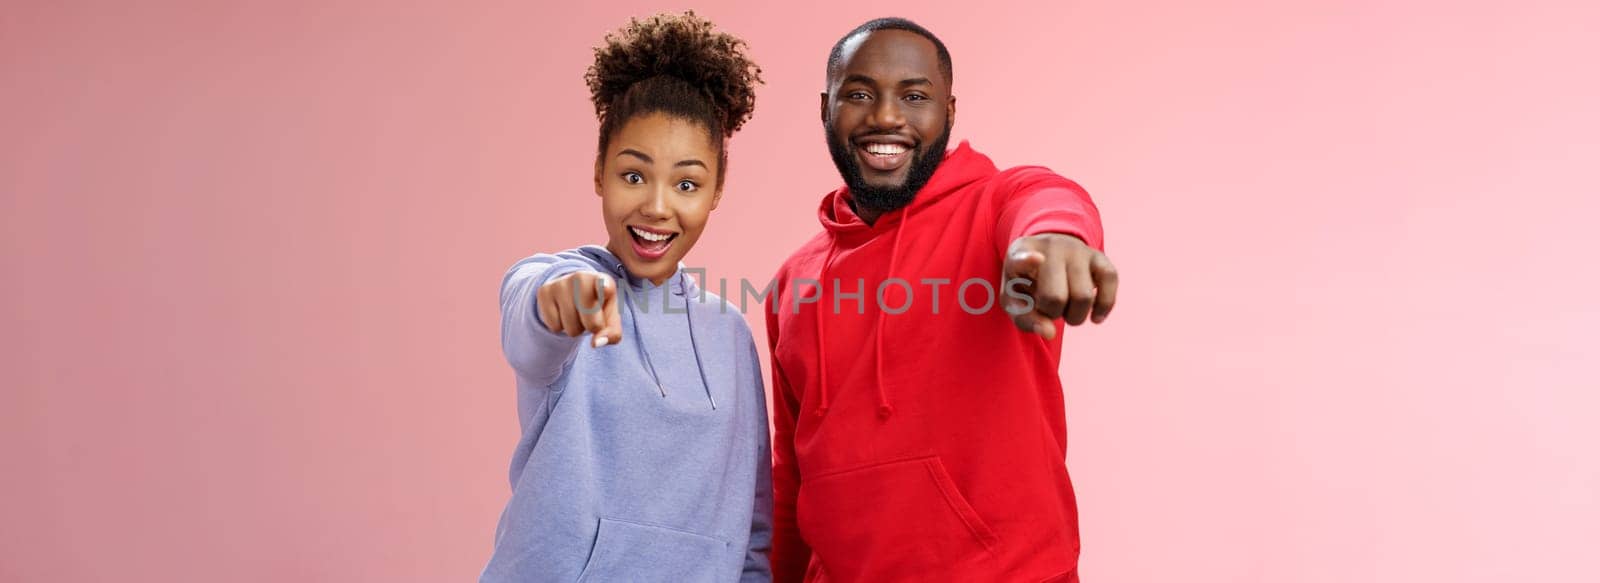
(651, 244)
(883, 156)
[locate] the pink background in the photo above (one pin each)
(251, 255)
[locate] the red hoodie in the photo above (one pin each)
(926, 443)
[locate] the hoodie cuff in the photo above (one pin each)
(1055, 210)
(1056, 225)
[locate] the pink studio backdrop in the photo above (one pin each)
(251, 253)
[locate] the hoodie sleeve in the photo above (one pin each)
(790, 554)
(757, 565)
(534, 351)
(1035, 200)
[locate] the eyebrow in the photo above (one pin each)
(863, 79)
(636, 154)
(648, 160)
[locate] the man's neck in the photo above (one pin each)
(868, 216)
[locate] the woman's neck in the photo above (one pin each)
(658, 281)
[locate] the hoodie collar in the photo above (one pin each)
(961, 166)
(679, 282)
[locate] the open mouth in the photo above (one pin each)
(883, 154)
(651, 244)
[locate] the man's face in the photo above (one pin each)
(888, 113)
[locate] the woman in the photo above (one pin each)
(644, 434)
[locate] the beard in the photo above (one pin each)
(924, 161)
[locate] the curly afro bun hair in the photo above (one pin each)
(677, 64)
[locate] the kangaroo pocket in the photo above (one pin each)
(900, 520)
(630, 551)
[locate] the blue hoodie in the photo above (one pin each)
(643, 461)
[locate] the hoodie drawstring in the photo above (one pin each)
(960, 168)
(822, 344)
(688, 317)
(638, 337)
(885, 408)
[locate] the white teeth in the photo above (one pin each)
(649, 236)
(886, 149)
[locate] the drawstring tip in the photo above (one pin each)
(884, 411)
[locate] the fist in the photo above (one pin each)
(1068, 280)
(582, 302)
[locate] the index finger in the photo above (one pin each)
(1023, 263)
(610, 331)
(596, 316)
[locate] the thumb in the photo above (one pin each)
(1035, 323)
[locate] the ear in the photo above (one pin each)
(822, 106)
(950, 111)
(716, 199)
(599, 166)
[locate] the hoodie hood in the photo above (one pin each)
(960, 167)
(679, 283)
(641, 289)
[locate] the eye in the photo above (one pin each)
(687, 186)
(857, 96)
(916, 97)
(632, 177)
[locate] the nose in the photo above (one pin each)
(886, 115)
(655, 205)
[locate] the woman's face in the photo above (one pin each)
(657, 182)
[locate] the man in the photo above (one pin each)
(920, 432)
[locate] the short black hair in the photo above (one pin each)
(836, 57)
